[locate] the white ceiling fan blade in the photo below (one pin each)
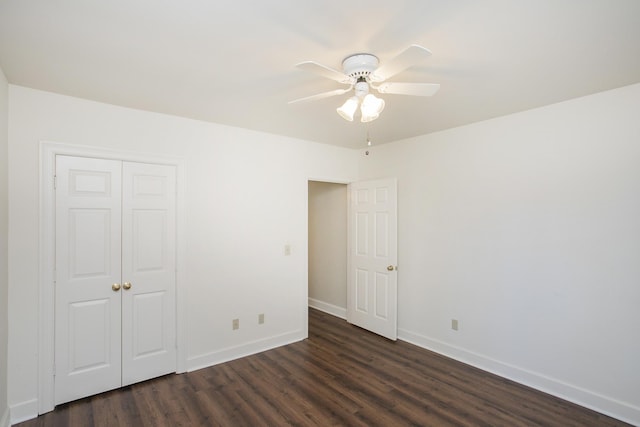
(409, 57)
(324, 71)
(321, 95)
(416, 89)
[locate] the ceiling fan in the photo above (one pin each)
(362, 72)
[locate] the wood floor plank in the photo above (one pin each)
(340, 376)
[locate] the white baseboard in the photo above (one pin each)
(23, 411)
(232, 353)
(4, 419)
(589, 399)
(328, 308)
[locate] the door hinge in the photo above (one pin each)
(54, 181)
(54, 369)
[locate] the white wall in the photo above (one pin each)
(328, 247)
(246, 197)
(4, 234)
(526, 229)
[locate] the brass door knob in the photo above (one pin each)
(126, 286)
(115, 287)
(391, 268)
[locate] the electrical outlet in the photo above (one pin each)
(454, 324)
(260, 318)
(235, 324)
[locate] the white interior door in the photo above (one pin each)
(148, 271)
(372, 282)
(87, 329)
(115, 274)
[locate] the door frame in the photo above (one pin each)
(46, 292)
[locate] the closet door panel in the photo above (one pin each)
(148, 266)
(87, 322)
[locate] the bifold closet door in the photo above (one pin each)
(115, 275)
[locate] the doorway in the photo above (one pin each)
(49, 151)
(328, 206)
(353, 252)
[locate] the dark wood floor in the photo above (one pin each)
(342, 376)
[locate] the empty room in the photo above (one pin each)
(320, 213)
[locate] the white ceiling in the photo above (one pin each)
(232, 62)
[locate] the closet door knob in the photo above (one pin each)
(126, 286)
(115, 287)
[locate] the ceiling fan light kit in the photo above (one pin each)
(361, 71)
(371, 108)
(370, 105)
(348, 109)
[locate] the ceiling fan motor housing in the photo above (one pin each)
(359, 65)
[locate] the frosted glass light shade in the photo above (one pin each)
(348, 109)
(371, 108)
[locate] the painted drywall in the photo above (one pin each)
(4, 238)
(526, 229)
(245, 199)
(328, 247)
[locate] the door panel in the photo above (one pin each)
(148, 264)
(382, 290)
(87, 343)
(382, 234)
(90, 242)
(362, 233)
(362, 290)
(149, 240)
(372, 256)
(148, 312)
(89, 323)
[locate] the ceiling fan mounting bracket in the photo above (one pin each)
(359, 65)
